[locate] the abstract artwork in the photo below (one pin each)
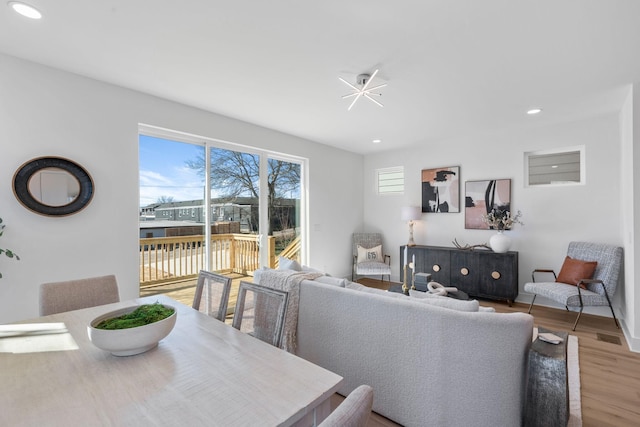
(481, 197)
(441, 189)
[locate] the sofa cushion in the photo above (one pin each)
(335, 281)
(446, 302)
(354, 285)
(574, 270)
(358, 287)
(369, 254)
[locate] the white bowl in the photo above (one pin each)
(130, 341)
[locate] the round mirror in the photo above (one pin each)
(53, 186)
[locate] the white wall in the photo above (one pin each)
(552, 216)
(630, 185)
(49, 112)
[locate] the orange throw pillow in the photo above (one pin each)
(573, 270)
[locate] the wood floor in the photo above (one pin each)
(609, 372)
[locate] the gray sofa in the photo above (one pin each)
(428, 365)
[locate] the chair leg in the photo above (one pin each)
(577, 318)
(531, 305)
(611, 308)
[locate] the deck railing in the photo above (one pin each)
(170, 259)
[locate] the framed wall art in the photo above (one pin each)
(480, 197)
(441, 189)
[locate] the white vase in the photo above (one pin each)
(500, 242)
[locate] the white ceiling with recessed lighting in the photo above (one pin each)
(452, 67)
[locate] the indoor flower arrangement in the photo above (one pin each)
(8, 252)
(501, 220)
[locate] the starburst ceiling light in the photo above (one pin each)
(364, 91)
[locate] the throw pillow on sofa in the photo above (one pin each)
(288, 264)
(446, 302)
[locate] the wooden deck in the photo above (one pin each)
(184, 290)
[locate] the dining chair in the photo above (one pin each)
(57, 297)
(260, 312)
(212, 294)
(354, 411)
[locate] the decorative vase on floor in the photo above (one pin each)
(500, 242)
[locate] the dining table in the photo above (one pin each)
(204, 372)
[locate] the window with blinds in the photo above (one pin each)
(390, 180)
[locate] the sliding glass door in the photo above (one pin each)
(215, 206)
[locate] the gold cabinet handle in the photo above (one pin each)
(496, 275)
(464, 271)
(435, 268)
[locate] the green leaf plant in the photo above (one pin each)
(8, 252)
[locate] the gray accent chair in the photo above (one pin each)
(260, 312)
(58, 297)
(215, 288)
(380, 267)
(600, 288)
(354, 411)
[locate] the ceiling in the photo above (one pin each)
(452, 67)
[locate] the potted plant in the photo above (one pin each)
(8, 252)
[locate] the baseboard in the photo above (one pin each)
(633, 343)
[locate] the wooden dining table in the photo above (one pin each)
(203, 373)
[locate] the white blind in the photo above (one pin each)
(390, 180)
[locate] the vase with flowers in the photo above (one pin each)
(501, 220)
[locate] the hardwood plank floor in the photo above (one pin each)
(609, 371)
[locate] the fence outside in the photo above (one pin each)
(168, 259)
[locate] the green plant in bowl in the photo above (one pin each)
(143, 315)
(126, 338)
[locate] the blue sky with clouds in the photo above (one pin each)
(163, 170)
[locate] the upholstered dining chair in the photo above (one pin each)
(212, 294)
(602, 264)
(368, 256)
(57, 297)
(260, 311)
(354, 411)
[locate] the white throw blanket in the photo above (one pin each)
(288, 280)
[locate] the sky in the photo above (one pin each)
(163, 170)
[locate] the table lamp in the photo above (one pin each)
(411, 213)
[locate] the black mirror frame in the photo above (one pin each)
(27, 170)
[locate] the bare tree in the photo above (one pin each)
(235, 174)
(165, 199)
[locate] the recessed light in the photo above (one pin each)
(377, 141)
(534, 111)
(25, 9)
